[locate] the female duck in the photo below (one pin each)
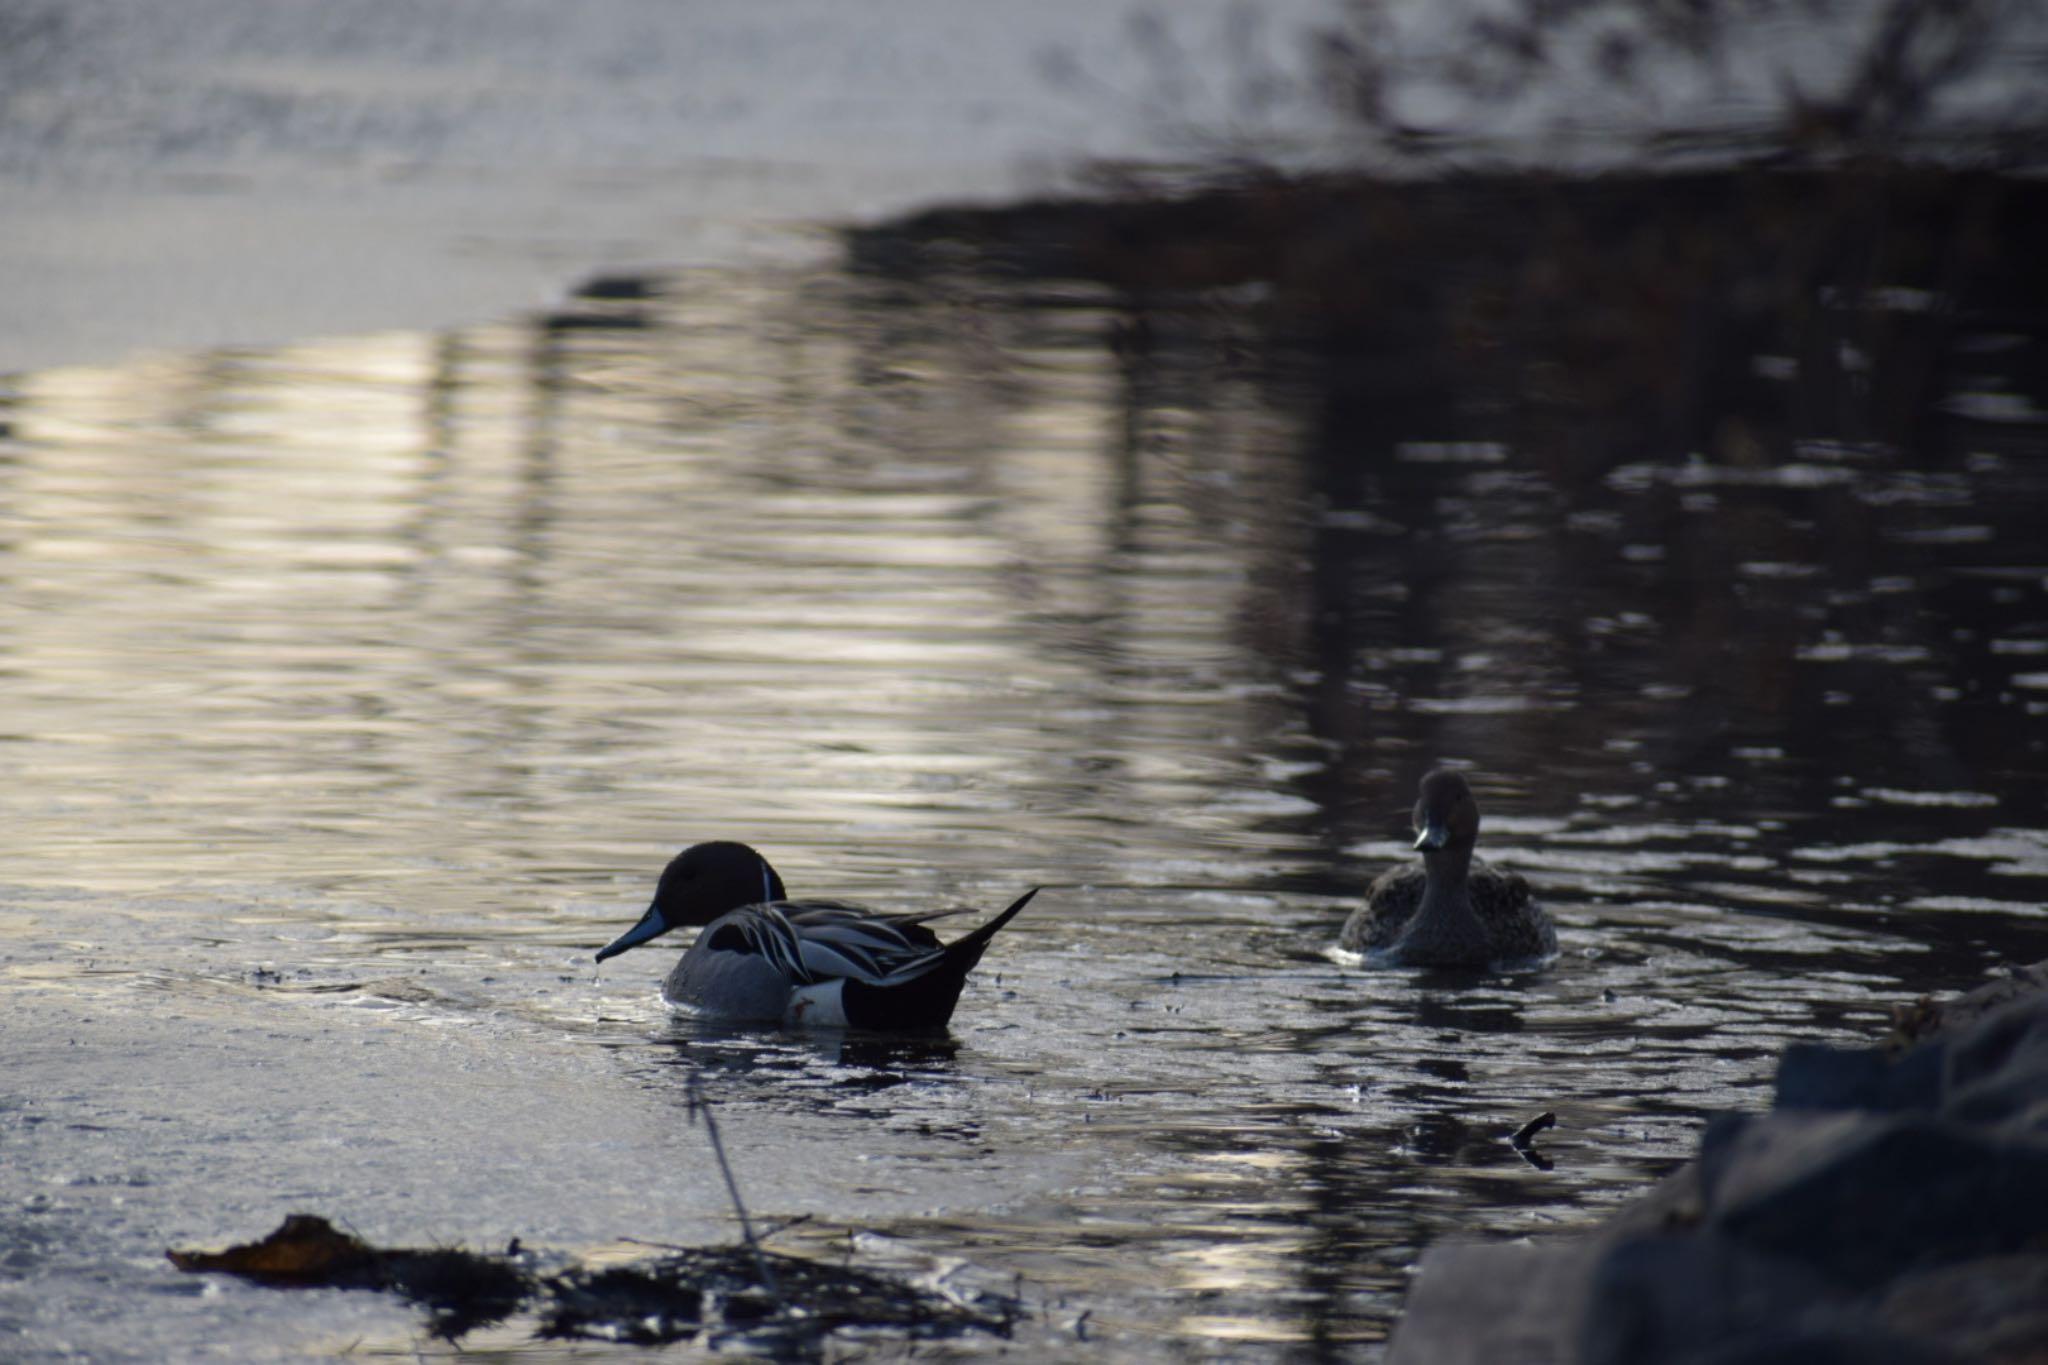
(1451, 910)
(762, 957)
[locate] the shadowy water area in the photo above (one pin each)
(356, 691)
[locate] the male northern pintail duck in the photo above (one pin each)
(1451, 909)
(763, 957)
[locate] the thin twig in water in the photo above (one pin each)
(701, 1107)
(1524, 1141)
(1524, 1136)
(784, 1226)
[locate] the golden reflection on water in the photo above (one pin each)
(774, 566)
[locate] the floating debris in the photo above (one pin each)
(1524, 1140)
(762, 1298)
(719, 1291)
(305, 1249)
(461, 1290)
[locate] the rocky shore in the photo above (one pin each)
(1890, 1209)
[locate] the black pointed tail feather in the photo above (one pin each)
(926, 1001)
(972, 944)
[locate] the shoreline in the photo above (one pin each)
(240, 173)
(1885, 1208)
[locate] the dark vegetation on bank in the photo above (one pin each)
(1815, 282)
(1730, 313)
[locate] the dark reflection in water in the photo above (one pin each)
(412, 659)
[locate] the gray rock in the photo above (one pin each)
(1496, 1303)
(1994, 1309)
(1825, 1344)
(1926, 1018)
(1665, 1298)
(1673, 1203)
(1864, 1198)
(1985, 1071)
(1892, 1211)
(1816, 1076)
(1997, 1071)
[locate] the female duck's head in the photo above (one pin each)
(1446, 816)
(699, 884)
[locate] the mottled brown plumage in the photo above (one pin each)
(1451, 909)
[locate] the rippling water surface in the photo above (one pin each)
(355, 692)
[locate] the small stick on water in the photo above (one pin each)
(1524, 1140)
(1524, 1135)
(701, 1107)
(785, 1225)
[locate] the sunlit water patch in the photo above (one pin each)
(355, 693)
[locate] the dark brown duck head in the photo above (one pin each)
(699, 884)
(1446, 816)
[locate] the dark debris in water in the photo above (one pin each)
(1524, 1140)
(460, 1290)
(719, 1291)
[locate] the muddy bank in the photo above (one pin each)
(1886, 1209)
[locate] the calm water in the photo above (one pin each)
(354, 693)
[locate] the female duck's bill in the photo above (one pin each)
(1451, 909)
(761, 957)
